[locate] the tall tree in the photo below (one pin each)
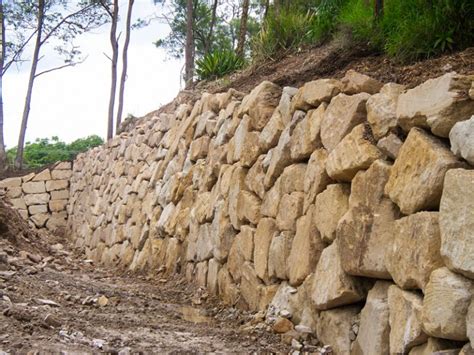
(53, 19)
(211, 27)
(123, 77)
(189, 49)
(3, 155)
(240, 51)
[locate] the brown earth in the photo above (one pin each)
(52, 300)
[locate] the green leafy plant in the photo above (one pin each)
(217, 64)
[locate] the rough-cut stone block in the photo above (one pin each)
(39, 219)
(60, 195)
(222, 233)
(44, 175)
(355, 152)
(65, 165)
(334, 327)
(53, 185)
(306, 249)
(271, 201)
(228, 290)
(199, 148)
(241, 251)
(462, 140)
(456, 220)
(316, 178)
(416, 179)
(292, 179)
(36, 209)
(390, 145)
(14, 192)
(289, 210)
(57, 205)
(18, 203)
(436, 346)
(237, 184)
(405, 320)
(332, 287)
(313, 93)
(265, 232)
(374, 329)
(364, 233)
(306, 135)
(34, 187)
(437, 104)
(445, 306)
(213, 268)
(204, 241)
(280, 248)
(415, 250)
(260, 104)
(382, 110)
(248, 207)
(11, 182)
(330, 206)
(60, 174)
(250, 286)
(341, 116)
(354, 83)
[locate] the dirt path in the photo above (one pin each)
(91, 310)
(54, 301)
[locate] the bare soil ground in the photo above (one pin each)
(53, 301)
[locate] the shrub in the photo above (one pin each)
(325, 19)
(216, 64)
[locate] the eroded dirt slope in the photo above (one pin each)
(52, 301)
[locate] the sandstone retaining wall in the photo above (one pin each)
(41, 198)
(346, 206)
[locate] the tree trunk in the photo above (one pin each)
(29, 93)
(211, 28)
(3, 156)
(378, 9)
(276, 5)
(124, 64)
(267, 7)
(113, 84)
(240, 51)
(189, 49)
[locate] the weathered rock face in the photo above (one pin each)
(374, 329)
(437, 104)
(445, 306)
(415, 250)
(416, 179)
(462, 140)
(457, 221)
(289, 198)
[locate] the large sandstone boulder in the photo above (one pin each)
(330, 206)
(341, 116)
(332, 287)
(365, 232)
(334, 328)
(374, 328)
(405, 320)
(279, 252)
(292, 179)
(260, 104)
(456, 220)
(265, 232)
(306, 135)
(354, 83)
(306, 249)
(241, 251)
(382, 110)
(445, 306)
(437, 104)
(289, 210)
(462, 139)
(313, 93)
(415, 250)
(316, 178)
(227, 289)
(355, 152)
(416, 179)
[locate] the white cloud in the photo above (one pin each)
(73, 102)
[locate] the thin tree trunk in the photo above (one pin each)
(276, 4)
(113, 84)
(267, 7)
(124, 64)
(211, 27)
(240, 51)
(189, 49)
(378, 9)
(29, 93)
(3, 156)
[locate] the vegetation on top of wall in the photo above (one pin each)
(216, 64)
(45, 151)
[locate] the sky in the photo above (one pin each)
(73, 102)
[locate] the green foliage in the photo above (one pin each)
(412, 29)
(325, 19)
(216, 64)
(46, 151)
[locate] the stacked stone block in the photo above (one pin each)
(41, 198)
(346, 206)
